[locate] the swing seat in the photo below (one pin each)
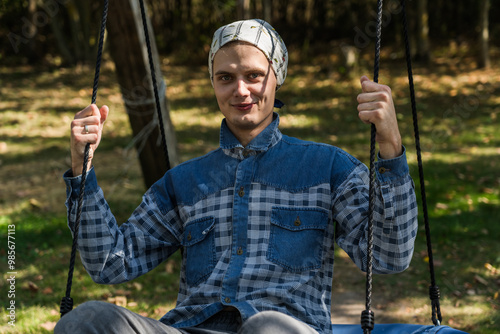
(395, 329)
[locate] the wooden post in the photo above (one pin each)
(484, 35)
(128, 49)
(423, 46)
(243, 9)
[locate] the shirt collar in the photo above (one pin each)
(264, 140)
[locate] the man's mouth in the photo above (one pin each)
(243, 106)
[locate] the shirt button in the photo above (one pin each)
(297, 222)
(382, 170)
(246, 153)
(189, 237)
(241, 193)
(239, 251)
(227, 300)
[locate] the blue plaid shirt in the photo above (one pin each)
(256, 224)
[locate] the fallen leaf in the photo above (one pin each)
(441, 206)
(31, 286)
(35, 204)
(47, 291)
(122, 292)
(118, 300)
(49, 325)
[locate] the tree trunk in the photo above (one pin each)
(84, 14)
(266, 8)
(57, 24)
(423, 49)
(128, 50)
(31, 33)
(484, 56)
(243, 9)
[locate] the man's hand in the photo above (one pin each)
(375, 106)
(86, 128)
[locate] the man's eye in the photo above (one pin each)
(224, 77)
(254, 75)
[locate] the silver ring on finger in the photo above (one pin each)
(85, 129)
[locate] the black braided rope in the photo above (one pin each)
(99, 51)
(434, 293)
(155, 88)
(67, 301)
(367, 316)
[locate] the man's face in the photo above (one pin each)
(245, 87)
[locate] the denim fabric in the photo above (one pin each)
(296, 237)
(199, 244)
(257, 226)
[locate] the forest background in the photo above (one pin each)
(63, 32)
(47, 55)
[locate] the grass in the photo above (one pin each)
(458, 108)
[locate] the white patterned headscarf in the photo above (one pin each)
(258, 33)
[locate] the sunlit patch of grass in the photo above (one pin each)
(299, 121)
(199, 117)
(32, 320)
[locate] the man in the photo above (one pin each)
(256, 219)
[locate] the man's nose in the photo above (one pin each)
(242, 88)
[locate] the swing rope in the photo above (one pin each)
(367, 316)
(434, 293)
(67, 301)
(155, 87)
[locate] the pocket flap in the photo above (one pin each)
(298, 219)
(197, 230)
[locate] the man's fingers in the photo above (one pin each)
(368, 86)
(368, 97)
(363, 79)
(104, 112)
(89, 129)
(88, 111)
(371, 106)
(87, 121)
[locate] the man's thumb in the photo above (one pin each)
(104, 113)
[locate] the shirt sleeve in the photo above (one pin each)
(114, 254)
(395, 216)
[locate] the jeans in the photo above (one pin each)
(96, 317)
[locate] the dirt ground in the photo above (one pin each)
(348, 297)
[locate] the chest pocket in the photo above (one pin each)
(297, 235)
(199, 246)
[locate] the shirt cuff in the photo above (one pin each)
(390, 170)
(73, 183)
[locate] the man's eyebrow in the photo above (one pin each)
(249, 69)
(222, 72)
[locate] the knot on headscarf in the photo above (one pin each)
(260, 34)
